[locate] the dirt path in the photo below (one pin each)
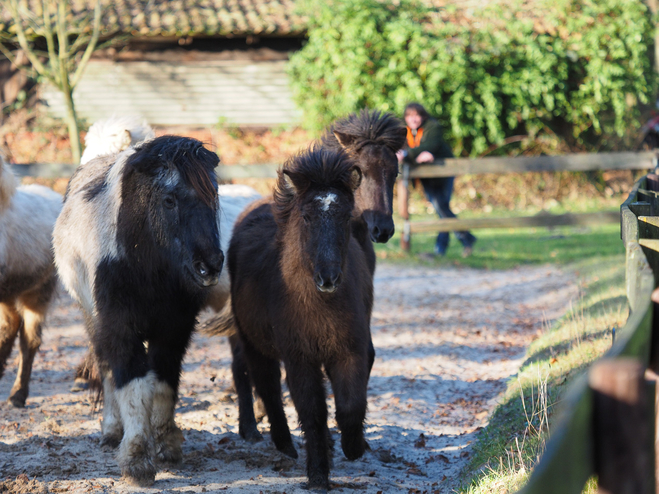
(446, 341)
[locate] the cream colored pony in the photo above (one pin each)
(27, 272)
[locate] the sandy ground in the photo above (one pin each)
(446, 341)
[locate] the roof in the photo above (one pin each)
(177, 18)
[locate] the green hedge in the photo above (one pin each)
(575, 68)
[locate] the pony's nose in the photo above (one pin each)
(381, 233)
(328, 283)
(209, 269)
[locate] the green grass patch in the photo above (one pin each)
(508, 248)
(512, 443)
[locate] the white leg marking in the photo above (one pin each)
(167, 435)
(111, 426)
(136, 452)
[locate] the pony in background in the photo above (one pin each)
(27, 274)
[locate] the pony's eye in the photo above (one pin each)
(169, 202)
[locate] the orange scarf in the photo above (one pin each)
(414, 141)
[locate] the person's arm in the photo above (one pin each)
(433, 142)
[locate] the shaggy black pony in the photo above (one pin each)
(137, 244)
(294, 258)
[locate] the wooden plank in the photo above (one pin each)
(628, 221)
(459, 224)
(623, 428)
(574, 162)
(568, 461)
(44, 170)
(247, 171)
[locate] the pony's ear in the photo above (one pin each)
(346, 140)
(291, 181)
(395, 141)
(355, 178)
(126, 140)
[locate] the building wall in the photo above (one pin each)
(240, 92)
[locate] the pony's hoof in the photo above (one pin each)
(110, 441)
(168, 447)
(135, 459)
(319, 484)
(251, 435)
(17, 401)
(353, 447)
(80, 384)
(17, 397)
(289, 450)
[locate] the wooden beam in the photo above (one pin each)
(228, 172)
(44, 170)
(502, 164)
(459, 224)
(623, 427)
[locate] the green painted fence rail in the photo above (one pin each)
(607, 423)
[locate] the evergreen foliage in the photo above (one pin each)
(575, 68)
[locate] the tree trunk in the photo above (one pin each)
(72, 122)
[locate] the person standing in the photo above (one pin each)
(424, 144)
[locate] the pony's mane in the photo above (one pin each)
(194, 162)
(316, 168)
(8, 184)
(367, 127)
(113, 135)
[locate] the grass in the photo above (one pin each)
(508, 448)
(512, 443)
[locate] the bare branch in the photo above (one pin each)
(14, 60)
(22, 41)
(50, 40)
(90, 47)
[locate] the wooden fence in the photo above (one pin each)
(449, 168)
(608, 420)
(499, 165)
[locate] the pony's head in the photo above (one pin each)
(169, 209)
(314, 201)
(372, 138)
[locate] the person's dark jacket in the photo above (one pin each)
(432, 141)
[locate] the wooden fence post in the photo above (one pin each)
(623, 428)
(403, 207)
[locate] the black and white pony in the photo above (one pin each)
(137, 245)
(115, 134)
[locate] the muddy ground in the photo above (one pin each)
(446, 341)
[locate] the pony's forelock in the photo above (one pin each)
(192, 160)
(367, 127)
(316, 168)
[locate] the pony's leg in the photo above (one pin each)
(30, 341)
(134, 384)
(247, 420)
(112, 429)
(136, 451)
(10, 322)
(34, 307)
(306, 385)
(349, 379)
(266, 375)
(165, 360)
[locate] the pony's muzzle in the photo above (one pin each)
(208, 272)
(328, 283)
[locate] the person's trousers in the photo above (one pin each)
(438, 191)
